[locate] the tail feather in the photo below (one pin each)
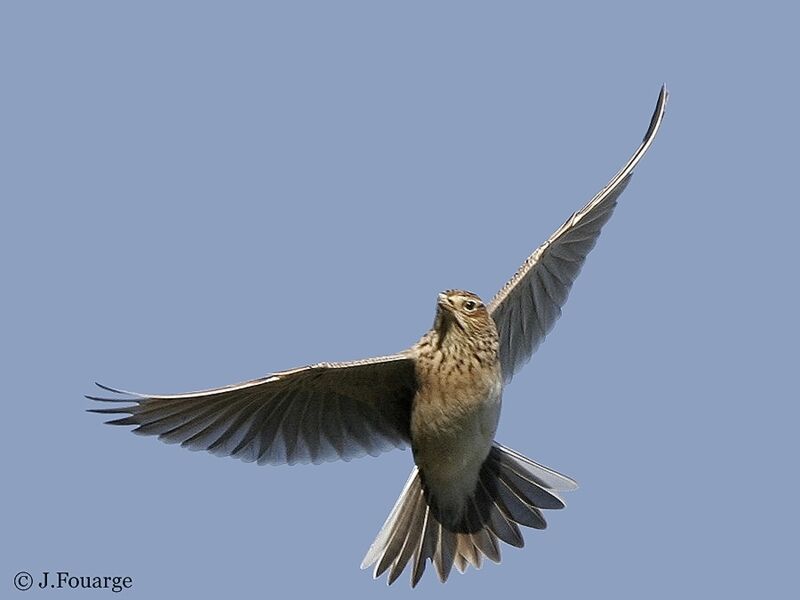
(528, 489)
(485, 542)
(504, 528)
(410, 543)
(517, 509)
(460, 562)
(425, 548)
(467, 553)
(378, 547)
(399, 546)
(543, 476)
(445, 552)
(512, 490)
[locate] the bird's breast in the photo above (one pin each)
(453, 422)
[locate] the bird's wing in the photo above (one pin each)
(527, 307)
(313, 414)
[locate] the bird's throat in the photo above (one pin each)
(446, 326)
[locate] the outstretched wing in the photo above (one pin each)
(313, 414)
(527, 307)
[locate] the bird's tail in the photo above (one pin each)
(511, 491)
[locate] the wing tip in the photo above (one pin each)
(136, 397)
(109, 389)
(102, 399)
(658, 113)
(117, 391)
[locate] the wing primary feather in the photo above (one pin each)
(526, 308)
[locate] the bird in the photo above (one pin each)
(442, 397)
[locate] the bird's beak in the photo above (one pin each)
(443, 301)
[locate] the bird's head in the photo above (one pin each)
(461, 313)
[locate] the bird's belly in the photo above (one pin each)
(451, 438)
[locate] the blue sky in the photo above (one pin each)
(200, 193)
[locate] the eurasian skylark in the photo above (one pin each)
(441, 396)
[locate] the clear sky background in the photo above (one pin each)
(197, 193)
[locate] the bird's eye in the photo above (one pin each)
(470, 305)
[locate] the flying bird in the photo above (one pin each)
(441, 397)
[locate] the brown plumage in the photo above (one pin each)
(442, 396)
(465, 492)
